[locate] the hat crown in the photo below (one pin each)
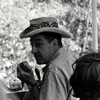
(43, 22)
(43, 19)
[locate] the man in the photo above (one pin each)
(47, 48)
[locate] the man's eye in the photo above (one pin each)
(38, 44)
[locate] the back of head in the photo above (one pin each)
(85, 80)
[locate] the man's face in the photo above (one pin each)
(42, 49)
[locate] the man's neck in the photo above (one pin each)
(54, 55)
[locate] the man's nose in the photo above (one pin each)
(34, 50)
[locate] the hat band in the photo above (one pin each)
(43, 24)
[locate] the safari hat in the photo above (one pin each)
(43, 24)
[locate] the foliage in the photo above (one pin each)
(73, 16)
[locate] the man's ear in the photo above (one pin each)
(55, 43)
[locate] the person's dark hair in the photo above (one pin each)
(85, 80)
(49, 36)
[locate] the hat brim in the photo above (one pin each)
(63, 33)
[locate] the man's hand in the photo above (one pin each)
(25, 73)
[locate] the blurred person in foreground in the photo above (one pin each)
(85, 80)
(47, 48)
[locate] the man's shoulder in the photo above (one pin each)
(65, 55)
(74, 54)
